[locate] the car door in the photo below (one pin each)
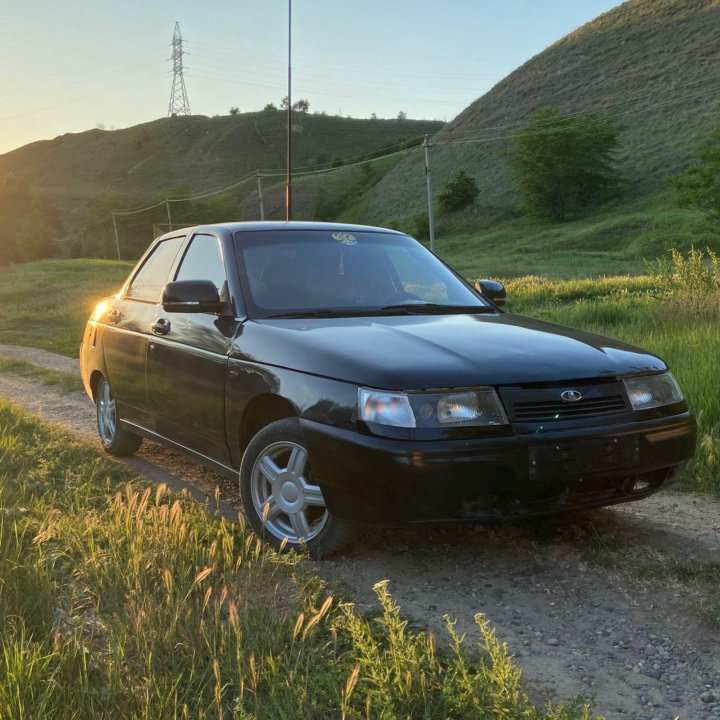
(187, 360)
(128, 320)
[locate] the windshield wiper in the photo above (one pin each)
(316, 313)
(409, 308)
(440, 308)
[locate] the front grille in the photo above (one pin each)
(549, 410)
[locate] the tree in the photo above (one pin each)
(402, 115)
(373, 116)
(460, 192)
(301, 105)
(698, 188)
(269, 107)
(29, 222)
(563, 163)
(234, 111)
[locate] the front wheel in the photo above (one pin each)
(115, 440)
(281, 499)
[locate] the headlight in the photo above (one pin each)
(385, 408)
(651, 391)
(470, 408)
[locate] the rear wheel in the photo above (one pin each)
(281, 499)
(115, 440)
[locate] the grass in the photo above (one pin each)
(126, 601)
(46, 304)
(699, 584)
(613, 241)
(65, 380)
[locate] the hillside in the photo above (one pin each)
(655, 63)
(197, 152)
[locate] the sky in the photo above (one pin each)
(71, 65)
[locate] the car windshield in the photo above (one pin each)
(339, 272)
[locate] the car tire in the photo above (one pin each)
(281, 502)
(115, 440)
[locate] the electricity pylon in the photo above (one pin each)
(179, 103)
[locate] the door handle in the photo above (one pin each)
(161, 326)
(113, 317)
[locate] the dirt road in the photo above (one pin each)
(590, 606)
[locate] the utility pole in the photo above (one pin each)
(428, 179)
(169, 214)
(117, 240)
(179, 103)
(260, 197)
(288, 188)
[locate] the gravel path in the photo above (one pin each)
(586, 604)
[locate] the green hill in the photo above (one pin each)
(653, 63)
(196, 152)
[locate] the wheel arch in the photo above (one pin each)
(260, 412)
(95, 378)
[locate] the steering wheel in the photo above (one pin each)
(398, 298)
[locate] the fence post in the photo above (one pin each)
(260, 197)
(169, 214)
(117, 239)
(431, 212)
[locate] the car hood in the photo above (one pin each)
(430, 351)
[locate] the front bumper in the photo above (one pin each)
(373, 479)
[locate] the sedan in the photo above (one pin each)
(346, 375)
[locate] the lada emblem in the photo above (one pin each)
(570, 396)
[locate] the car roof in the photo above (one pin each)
(256, 226)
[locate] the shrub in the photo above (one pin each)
(564, 163)
(460, 192)
(420, 226)
(696, 274)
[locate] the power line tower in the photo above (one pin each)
(179, 103)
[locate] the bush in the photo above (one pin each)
(326, 207)
(563, 163)
(696, 274)
(698, 188)
(420, 226)
(460, 192)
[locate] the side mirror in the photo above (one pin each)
(493, 290)
(192, 296)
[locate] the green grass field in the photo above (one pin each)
(119, 600)
(45, 304)
(615, 240)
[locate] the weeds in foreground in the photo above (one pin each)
(126, 601)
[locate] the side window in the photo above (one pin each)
(203, 261)
(150, 280)
(414, 276)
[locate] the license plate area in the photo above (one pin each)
(584, 457)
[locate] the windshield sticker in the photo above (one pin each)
(344, 238)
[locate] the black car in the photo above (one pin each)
(350, 376)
